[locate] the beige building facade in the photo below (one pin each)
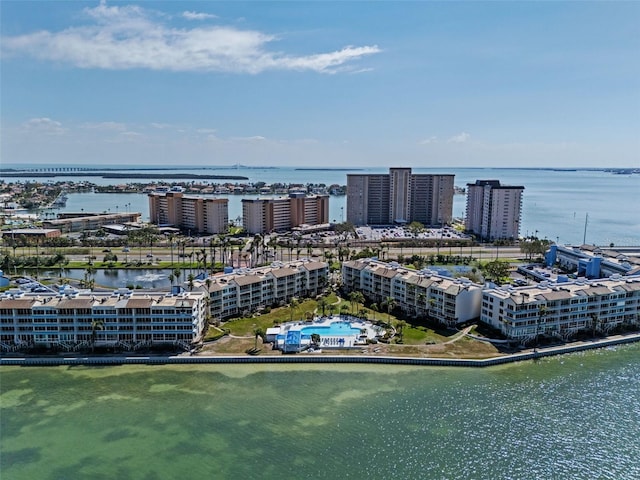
(264, 215)
(192, 213)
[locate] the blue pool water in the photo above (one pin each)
(336, 328)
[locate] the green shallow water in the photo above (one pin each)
(573, 417)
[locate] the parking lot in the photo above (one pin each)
(400, 233)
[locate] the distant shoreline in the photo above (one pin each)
(144, 176)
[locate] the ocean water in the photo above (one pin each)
(570, 417)
(556, 202)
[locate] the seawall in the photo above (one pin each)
(302, 358)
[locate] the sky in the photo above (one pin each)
(320, 84)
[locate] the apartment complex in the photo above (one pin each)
(493, 210)
(249, 290)
(264, 215)
(562, 309)
(417, 293)
(124, 319)
(192, 213)
(399, 197)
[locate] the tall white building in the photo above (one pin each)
(493, 210)
(399, 197)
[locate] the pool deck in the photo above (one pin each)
(291, 336)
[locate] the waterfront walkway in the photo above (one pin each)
(222, 359)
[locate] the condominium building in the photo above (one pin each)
(263, 215)
(493, 210)
(417, 293)
(399, 197)
(124, 319)
(562, 309)
(249, 290)
(192, 213)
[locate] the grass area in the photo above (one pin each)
(420, 335)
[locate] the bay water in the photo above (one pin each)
(575, 416)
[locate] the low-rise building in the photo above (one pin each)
(249, 290)
(416, 292)
(123, 319)
(562, 309)
(595, 262)
(83, 221)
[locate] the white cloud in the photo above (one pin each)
(198, 15)
(255, 138)
(108, 126)
(128, 37)
(459, 138)
(429, 140)
(44, 125)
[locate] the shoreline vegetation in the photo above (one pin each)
(133, 359)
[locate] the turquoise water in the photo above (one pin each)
(336, 328)
(569, 417)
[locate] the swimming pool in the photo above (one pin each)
(334, 329)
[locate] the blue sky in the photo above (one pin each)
(422, 84)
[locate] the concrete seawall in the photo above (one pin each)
(301, 358)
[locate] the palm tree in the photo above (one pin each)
(400, 329)
(322, 303)
(96, 324)
(293, 303)
(391, 304)
(177, 273)
(355, 297)
(258, 332)
(421, 297)
(190, 280)
(315, 339)
(375, 308)
(542, 312)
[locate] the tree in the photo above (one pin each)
(190, 280)
(496, 270)
(415, 228)
(322, 303)
(315, 339)
(95, 325)
(542, 312)
(375, 308)
(400, 329)
(391, 303)
(259, 333)
(293, 303)
(355, 298)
